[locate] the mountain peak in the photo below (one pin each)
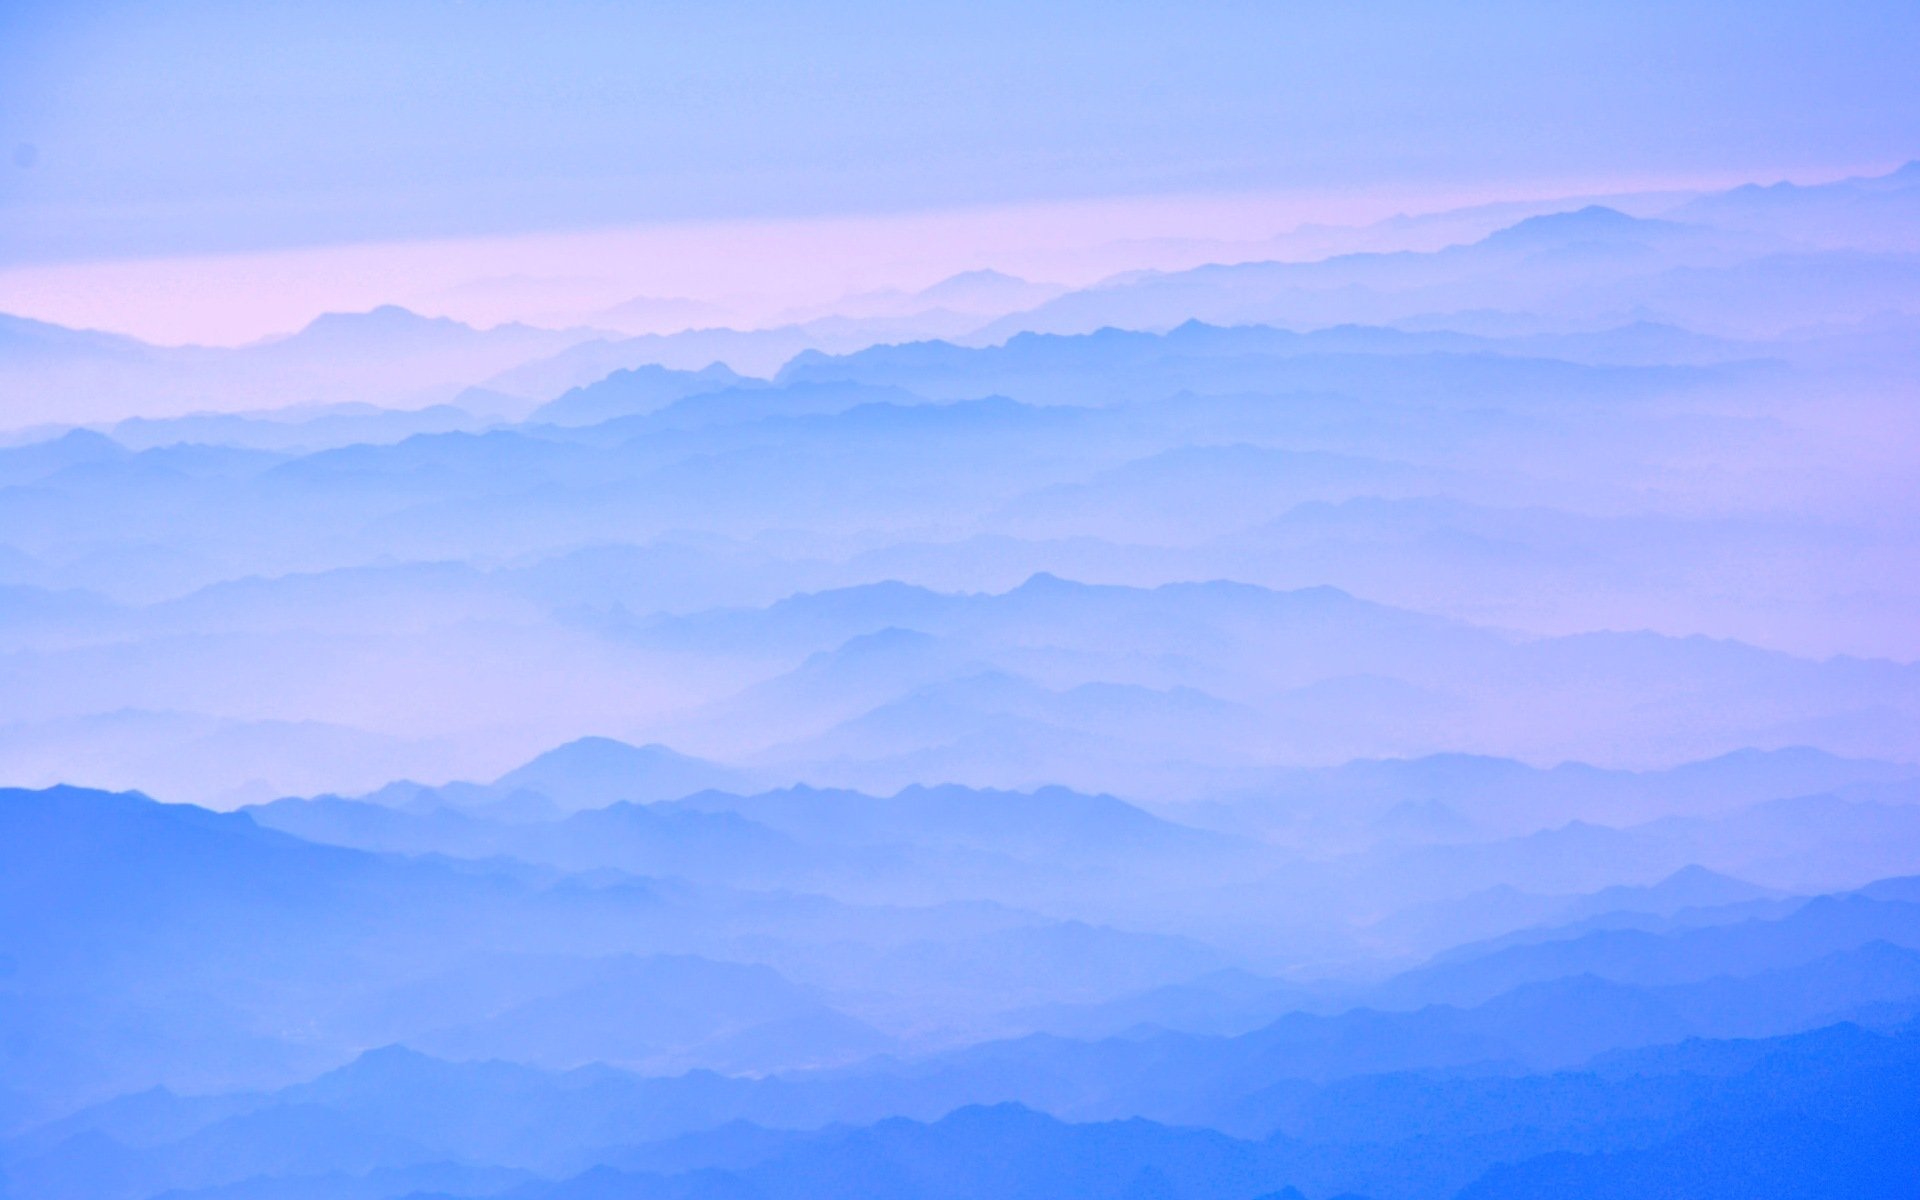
(384, 316)
(987, 289)
(595, 752)
(984, 275)
(592, 772)
(1047, 581)
(1595, 221)
(384, 326)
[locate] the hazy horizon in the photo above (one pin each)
(920, 602)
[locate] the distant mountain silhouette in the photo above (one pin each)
(595, 772)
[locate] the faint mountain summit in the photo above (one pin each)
(593, 772)
(388, 324)
(1594, 223)
(987, 292)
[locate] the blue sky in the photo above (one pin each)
(140, 130)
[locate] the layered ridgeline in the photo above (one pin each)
(1624, 489)
(1439, 720)
(499, 989)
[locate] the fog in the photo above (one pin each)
(1432, 711)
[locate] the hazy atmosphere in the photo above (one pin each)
(745, 602)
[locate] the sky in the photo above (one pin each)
(204, 134)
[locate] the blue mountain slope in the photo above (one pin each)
(371, 947)
(219, 898)
(36, 460)
(1820, 926)
(1853, 1133)
(1834, 1103)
